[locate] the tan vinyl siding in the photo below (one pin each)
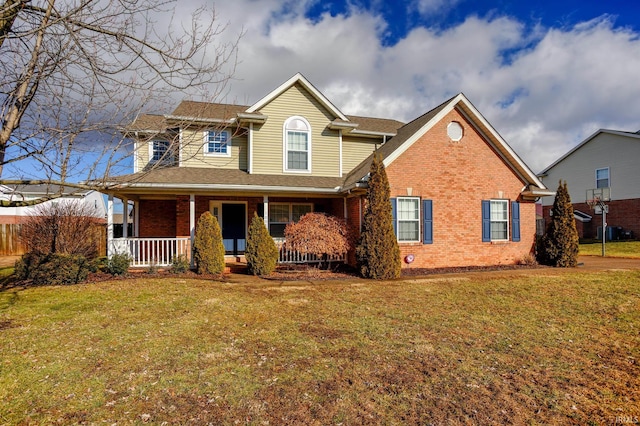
(193, 154)
(268, 138)
(141, 154)
(619, 153)
(355, 150)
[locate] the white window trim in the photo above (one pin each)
(205, 148)
(290, 205)
(285, 157)
(608, 176)
(405, 220)
(507, 220)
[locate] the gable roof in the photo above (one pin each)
(299, 79)
(633, 135)
(413, 131)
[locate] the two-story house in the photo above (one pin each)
(460, 194)
(607, 161)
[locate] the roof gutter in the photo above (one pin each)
(200, 120)
(223, 187)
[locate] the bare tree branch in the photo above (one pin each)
(73, 74)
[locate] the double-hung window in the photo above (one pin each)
(297, 145)
(408, 219)
(217, 143)
(499, 220)
(160, 152)
(602, 178)
(281, 214)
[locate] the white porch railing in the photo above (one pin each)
(146, 252)
(292, 256)
(151, 251)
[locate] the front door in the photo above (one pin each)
(234, 228)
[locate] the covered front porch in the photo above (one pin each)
(163, 226)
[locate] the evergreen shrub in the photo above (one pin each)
(261, 251)
(560, 243)
(378, 253)
(208, 250)
(54, 269)
(118, 264)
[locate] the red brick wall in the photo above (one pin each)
(457, 176)
(622, 213)
(157, 218)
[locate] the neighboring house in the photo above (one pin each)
(94, 200)
(606, 159)
(460, 194)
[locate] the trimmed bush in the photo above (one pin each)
(208, 250)
(180, 264)
(378, 252)
(118, 264)
(59, 269)
(25, 266)
(560, 243)
(261, 251)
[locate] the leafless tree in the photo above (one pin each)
(73, 72)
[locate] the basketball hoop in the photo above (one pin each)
(594, 202)
(597, 200)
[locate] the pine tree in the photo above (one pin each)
(208, 250)
(378, 252)
(261, 251)
(560, 241)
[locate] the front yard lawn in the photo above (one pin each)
(612, 249)
(544, 349)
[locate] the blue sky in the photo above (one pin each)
(402, 16)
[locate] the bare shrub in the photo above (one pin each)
(65, 227)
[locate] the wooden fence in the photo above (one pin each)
(10, 244)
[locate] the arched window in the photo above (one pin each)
(297, 145)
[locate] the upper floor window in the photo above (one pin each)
(217, 143)
(160, 152)
(602, 178)
(297, 145)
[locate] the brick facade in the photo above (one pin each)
(457, 176)
(157, 218)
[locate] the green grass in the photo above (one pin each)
(612, 249)
(541, 349)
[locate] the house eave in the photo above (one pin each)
(247, 117)
(356, 132)
(196, 120)
(533, 194)
(114, 187)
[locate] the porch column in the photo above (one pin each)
(109, 223)
(125, 217)
(136, 218)
(265, 201)
(192, 224)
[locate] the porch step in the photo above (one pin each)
(235, 268)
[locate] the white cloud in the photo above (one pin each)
(543, 89)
